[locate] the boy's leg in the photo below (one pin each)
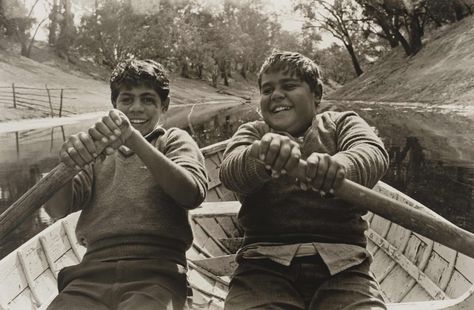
(264, 284)
(150, 284)
(79, 288)
(354, 288)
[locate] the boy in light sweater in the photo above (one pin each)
(134, 198)
(303, 248)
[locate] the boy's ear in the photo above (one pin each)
(318, 93)
(165, 105)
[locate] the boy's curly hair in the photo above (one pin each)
(295, 64)
(134, 72)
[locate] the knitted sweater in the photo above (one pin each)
(277, 210)
(125, 214)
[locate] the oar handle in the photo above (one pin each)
(40, 193)
(418, 218)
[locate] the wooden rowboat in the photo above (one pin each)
(414, 271)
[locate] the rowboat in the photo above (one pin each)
(414, 271)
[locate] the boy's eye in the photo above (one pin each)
(125, 100)
(267, 91)
(149, 100)
(289, 86)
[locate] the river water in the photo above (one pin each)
(431, 150)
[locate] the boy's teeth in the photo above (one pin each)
(279, 109)
(137, 121)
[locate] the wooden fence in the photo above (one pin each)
(49, 101)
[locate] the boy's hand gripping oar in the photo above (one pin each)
(40, 193)
(416, 218)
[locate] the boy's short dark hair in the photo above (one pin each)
(131, 73)
(294, 63)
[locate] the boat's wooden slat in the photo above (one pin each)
(382, 265)
(232, 244)
(202, 239)
(22, 302)
(228, 226)
(213, 231)
(423, 262)
(214, 148)
(372, 247)
(399, 275)
(224, 265)
(416, 293)
(29, 279)
(465, 266)
(44, 247)
(457, 285)
(216, 209)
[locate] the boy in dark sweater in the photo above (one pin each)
(134, 199)
(303, 248)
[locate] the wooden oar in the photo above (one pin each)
(40, 193)
(419, 219)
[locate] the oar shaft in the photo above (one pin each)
(418, 219)
(39, 194)
(34, 198)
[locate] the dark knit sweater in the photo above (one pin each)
(277, 210)
(126, 215)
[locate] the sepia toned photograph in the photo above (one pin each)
(237, 154)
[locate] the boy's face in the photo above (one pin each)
(142, 105)
(287, 102)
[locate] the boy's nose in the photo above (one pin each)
(277, 95)
(136, 106)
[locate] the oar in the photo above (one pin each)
(418, 218)
(40, 193)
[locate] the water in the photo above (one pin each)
(431, 150)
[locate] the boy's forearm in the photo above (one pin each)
(175, 180)
(365, 164)
(241, 172)
(60, 204)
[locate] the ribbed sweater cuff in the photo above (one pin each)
(351, 172)
(257, 172)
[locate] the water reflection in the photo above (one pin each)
(432, 158)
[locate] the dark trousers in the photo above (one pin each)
(305, 284)
(123, 284)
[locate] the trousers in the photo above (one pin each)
(305, 284)
(122, 285)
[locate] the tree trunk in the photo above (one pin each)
(403, 41)
(415, 33)
(53, 26)
(243, 70)
(355, 61)
(184, 69)
(67, 33)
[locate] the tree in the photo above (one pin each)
(67, 33)
(18, 22)
(341, 18)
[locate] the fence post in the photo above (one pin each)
(14, 95)
(17, 140)
(49, 98)
(61, 102)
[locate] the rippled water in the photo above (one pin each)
(431, 149)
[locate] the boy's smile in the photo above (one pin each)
(287, 102)
(142, 105)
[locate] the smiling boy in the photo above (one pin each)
(134, 198)
(303, 248)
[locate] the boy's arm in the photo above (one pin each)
(361, 152)
(239, 171)
(72, 196)
(179, 171)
